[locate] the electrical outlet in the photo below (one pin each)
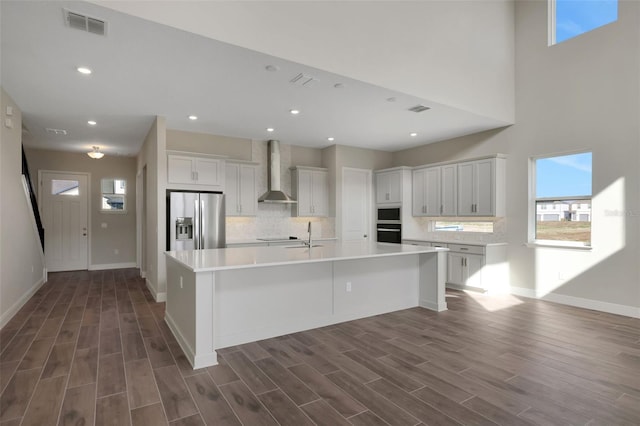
(348, 287)
(32, 269)
(116, 251)
(103, 225)
(181, 285)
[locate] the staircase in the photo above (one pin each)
(32, 197)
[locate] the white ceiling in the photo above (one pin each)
(142, 69)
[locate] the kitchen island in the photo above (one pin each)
(223, 297)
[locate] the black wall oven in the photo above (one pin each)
(389, 225)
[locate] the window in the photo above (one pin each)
(65, 187)
(570, 18)
(463, 226)
(562, 199)
(113, 195)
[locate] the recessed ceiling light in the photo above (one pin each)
(193, 117)
(270, 129)
(84, 70)
(338, 85)
(91, 123)
(272, 68)
(413, 135)
(295, 111)
(330, 139)
(392, 99)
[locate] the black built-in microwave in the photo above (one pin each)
(388, 215)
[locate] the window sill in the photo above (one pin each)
(559, 245)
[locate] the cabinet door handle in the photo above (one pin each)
(463, 248)
(462, 261)
(441, 208)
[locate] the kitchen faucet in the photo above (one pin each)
(308, 243)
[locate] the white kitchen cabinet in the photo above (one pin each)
(195, 171)
(426, 192)
(310, 187)
(481, 188)
(241, 198)
(389, 187)
(465, 270)
(449, 190)
(473, 266)
(435, 190)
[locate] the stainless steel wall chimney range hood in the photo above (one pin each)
(274, 193)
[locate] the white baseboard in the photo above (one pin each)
(434, 306)
(196, 361)
(105, 266)
(159, 297)
(6, 317)
(579, 302)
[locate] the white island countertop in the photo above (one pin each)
(251, 257)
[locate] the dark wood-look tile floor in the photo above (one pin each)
(91, 348)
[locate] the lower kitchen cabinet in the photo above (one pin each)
(465, 270)
(474, 266)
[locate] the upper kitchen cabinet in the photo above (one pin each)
(241, 198)
(390, 184)
(435, 191)
(310, 186)
(481, 187)
(200, 172)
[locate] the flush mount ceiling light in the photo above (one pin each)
(413, 135)
(95, 153)
(330, 139)
(193, 117)
(272, 68)
(270, 129)
(84, 70)
(294, 111)
(91, 123)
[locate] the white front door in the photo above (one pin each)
(357, 207)
(65, 204)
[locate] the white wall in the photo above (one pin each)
(153, 156)
(459, 53)
(583, 94)
(21, 257)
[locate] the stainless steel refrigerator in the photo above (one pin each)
(195, 220)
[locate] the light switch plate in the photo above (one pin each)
(8, 123)
(9, 111)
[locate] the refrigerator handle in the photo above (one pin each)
(202, 225)
(196, 225)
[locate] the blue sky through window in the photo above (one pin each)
(565, 176)
(575, 17)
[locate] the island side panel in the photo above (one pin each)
(433, 275)
(180, 312)
(366, 287)
(259, 303)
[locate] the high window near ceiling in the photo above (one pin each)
(571, 18)
(561, 204)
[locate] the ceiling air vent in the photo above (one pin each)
(419, 108)
(58, 132)
(303, 80)
(84, 23)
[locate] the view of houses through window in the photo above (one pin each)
(563, 198)
(465, 226)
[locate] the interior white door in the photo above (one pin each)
(356, 204)
(65, 205)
